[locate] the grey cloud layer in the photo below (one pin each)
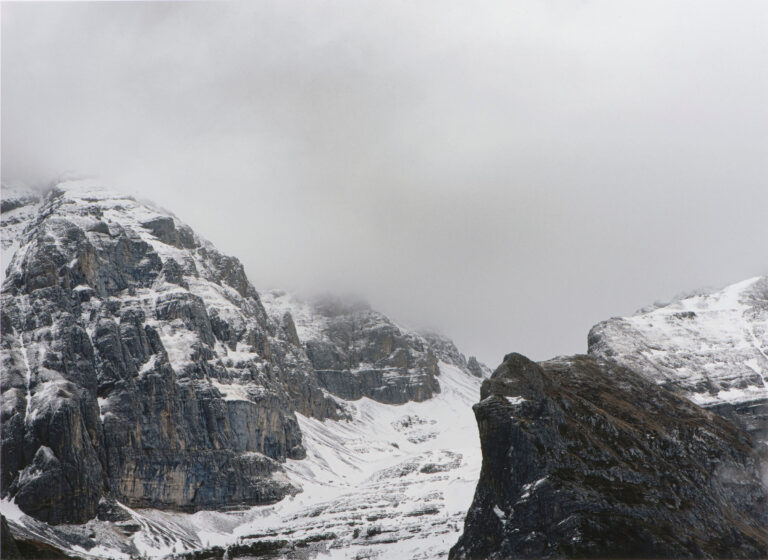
(509, 174)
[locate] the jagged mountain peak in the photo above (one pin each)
(141, 369)
(357, 351)
(154, 350)
(314, 318)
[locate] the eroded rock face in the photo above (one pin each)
(476, 368)
(138, 363)
(585, 458)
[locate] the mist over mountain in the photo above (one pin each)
(270, 272)
(509, 175)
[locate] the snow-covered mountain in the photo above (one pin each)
(18, 207)
(711, 347)
(154, 402)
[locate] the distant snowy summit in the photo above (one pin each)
(710, 347)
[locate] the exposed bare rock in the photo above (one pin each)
(358, 352)
(585, 458)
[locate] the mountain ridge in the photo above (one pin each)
(711, 347)
(142, 370)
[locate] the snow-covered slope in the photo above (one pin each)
(394, 482)
(711, 347)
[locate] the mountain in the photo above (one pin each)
(357, 352)
(710, 347)
(133, 353)
(18, 207)
(154, 401)
(583, 457)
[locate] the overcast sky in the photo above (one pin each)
(508, 174)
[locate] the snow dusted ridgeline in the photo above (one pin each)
(711, 348)
(584, 458)
(142, 378)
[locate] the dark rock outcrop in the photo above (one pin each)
(585, 458)
(8, 547)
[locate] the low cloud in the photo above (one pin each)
(509, 173)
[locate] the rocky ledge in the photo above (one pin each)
(585, 458)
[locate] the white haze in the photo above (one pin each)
(507, 173)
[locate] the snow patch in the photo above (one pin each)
(232, 391)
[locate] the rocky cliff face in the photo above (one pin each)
(710, 347)
(585, 458)
(139, 363)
